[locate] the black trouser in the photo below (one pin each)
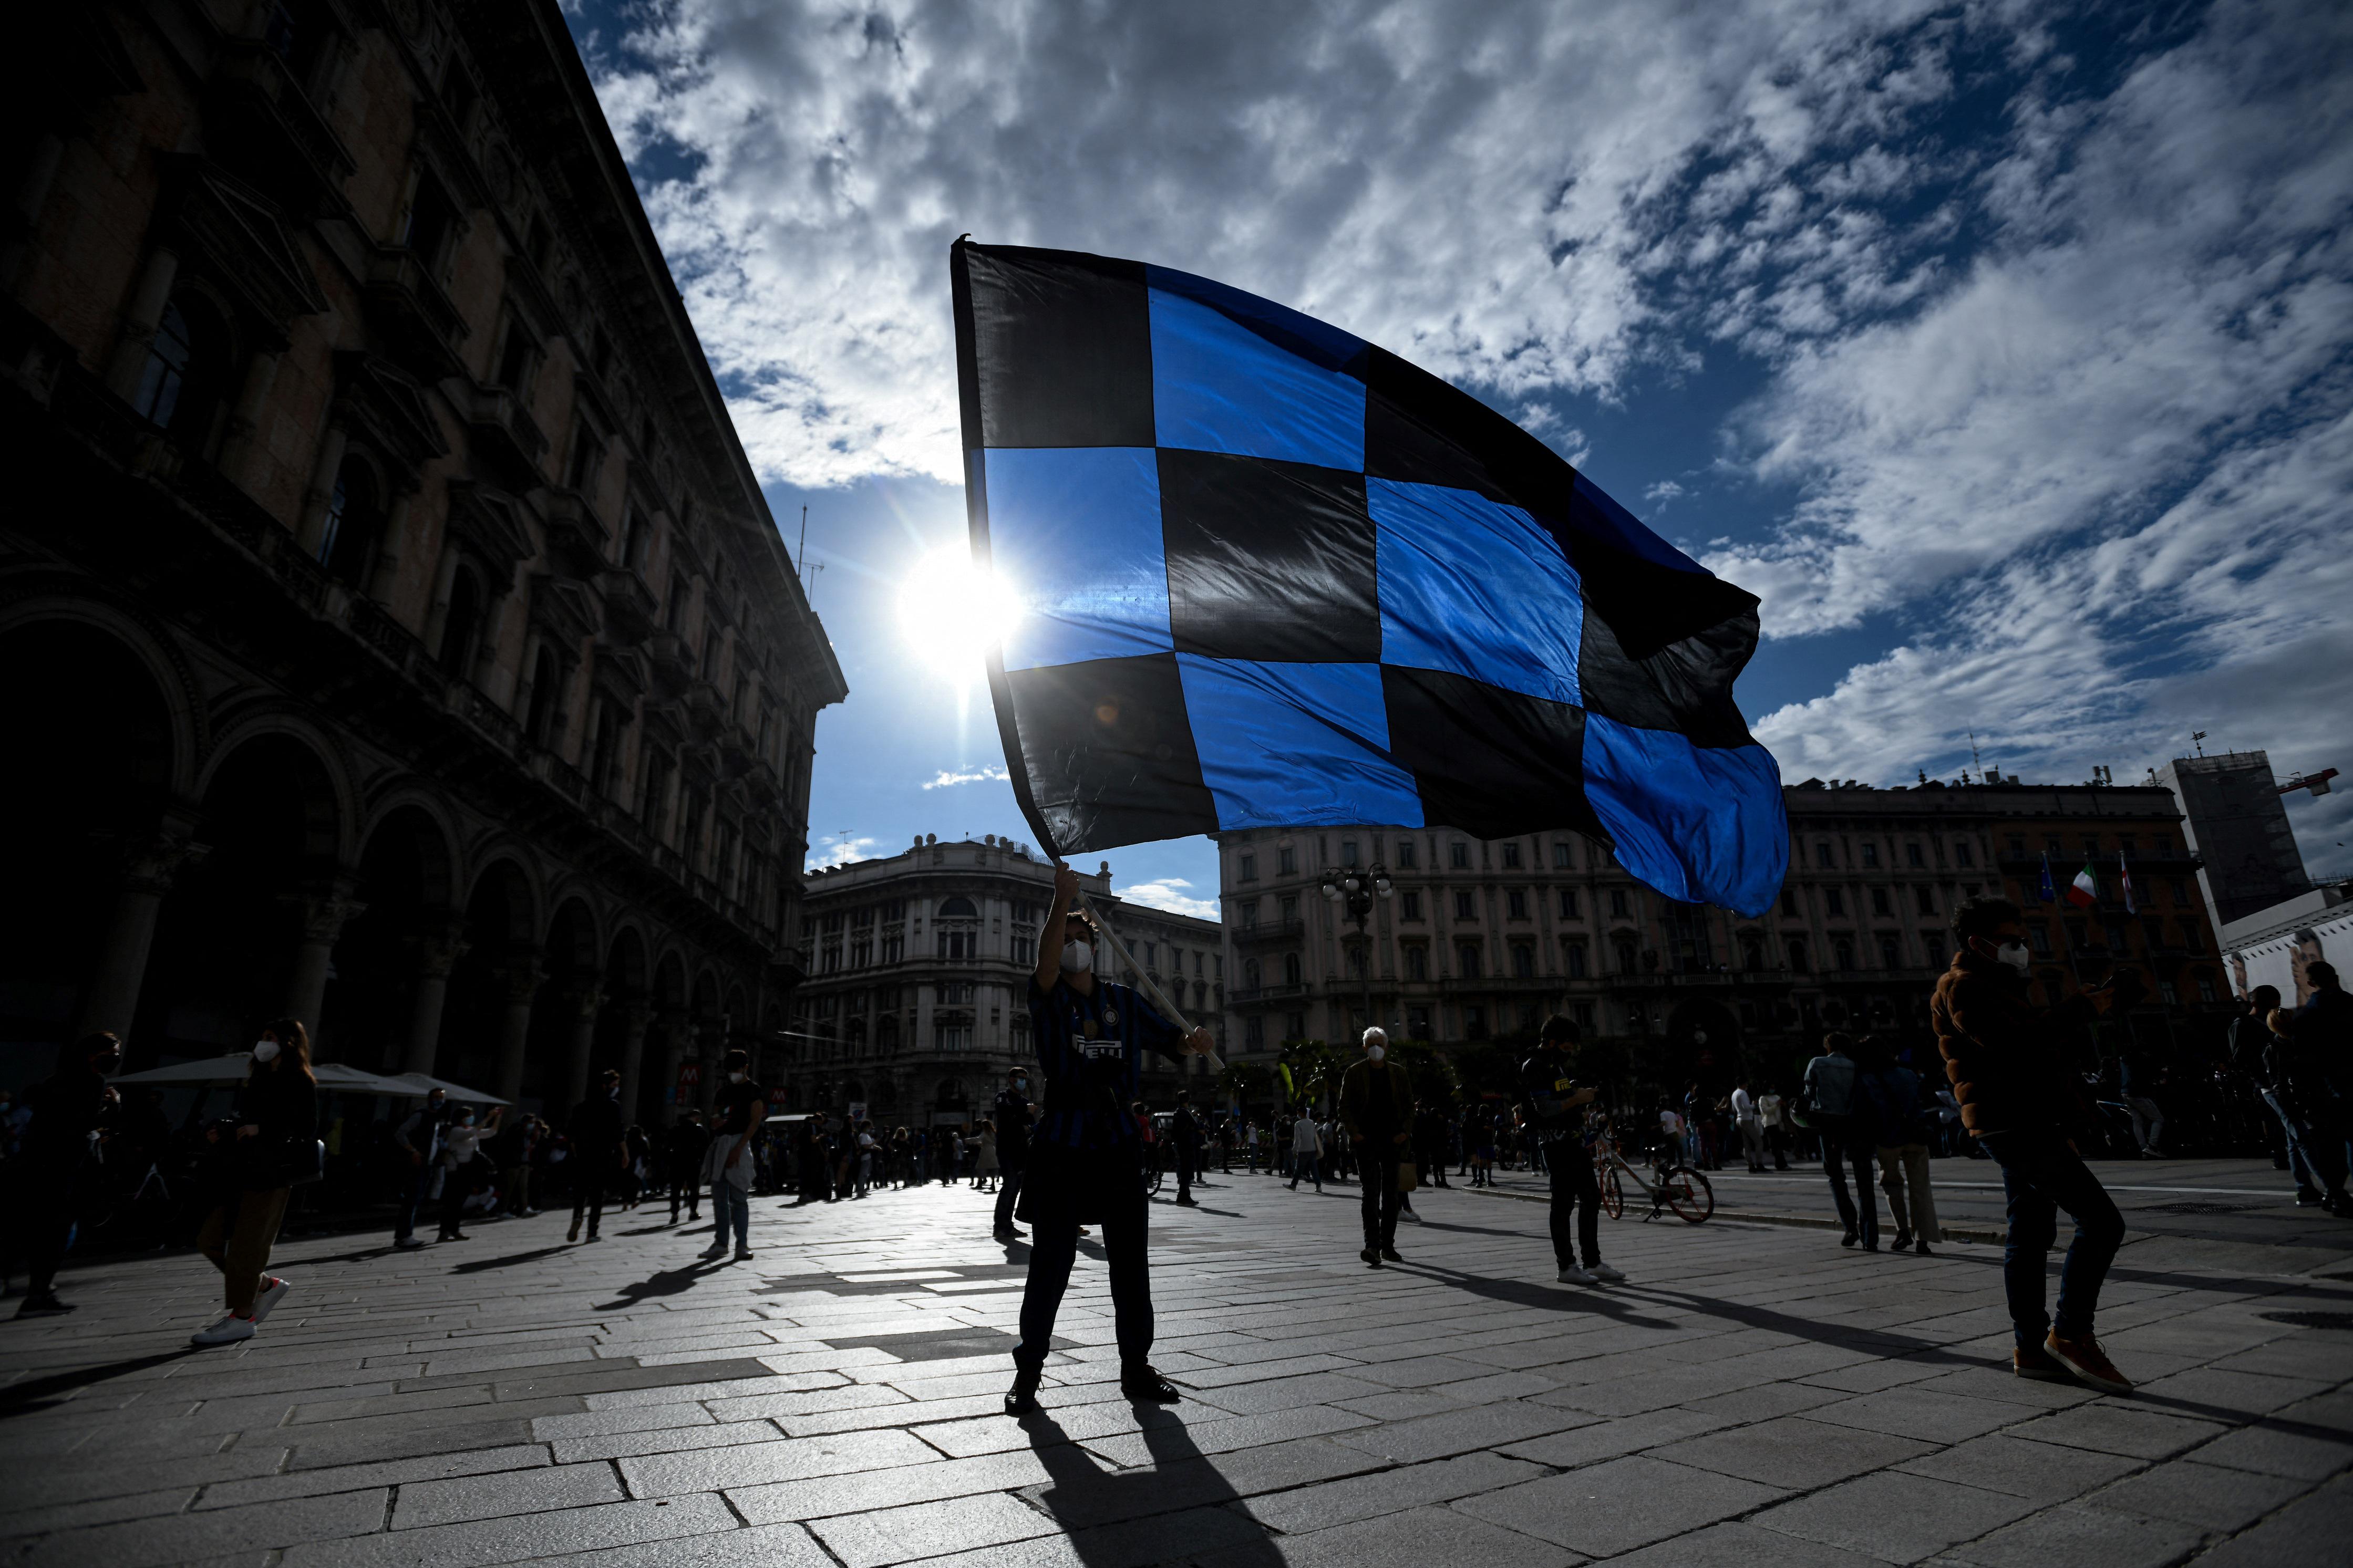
(455, 1188)
(1377, 1173)
(1007, 1192)
(686, 1188)
(1188, 1165)
(1844, 1144)
(46, 1219)
(1575, 1189)
(589, 1181)
(1053, 1247)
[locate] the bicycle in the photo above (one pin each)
(1680, 1190)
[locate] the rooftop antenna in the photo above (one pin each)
(2196, 736)
(800, 551)
(1974, 758)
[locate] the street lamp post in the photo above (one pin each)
(1355, 891)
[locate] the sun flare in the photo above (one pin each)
(952, 613)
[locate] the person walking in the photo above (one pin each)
(741, 1108)
(2004, 1059)
(2136, 1078)
(2298, 1070)
(1751, 1123)
(1306, 1151)
(1377, 1108)
(600, 1151)
(2322, 1030)
(2250, 1044)
(1899, 1118)
(1552, 1109)
(1250, 1146)
(510, 1153)
(272, 1144)
(460, 1145)
(1184, 1133)
(1845, 1137)
(1429, 1122)
(1014, 1116)
(63, 1117)
(983, 1167)
(1773, 1115)
(682, 1151)
(418, 1139)
(1086, 1155)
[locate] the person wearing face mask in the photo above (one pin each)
(1013, 1112)
(2006, 1058)
(1086, 1155)
(275, 1138)
(738, 1111)
(1376, 1108)
(66, 1113)
(600, 1152)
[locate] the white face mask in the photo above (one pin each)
(2014, 954)
(734, 1078)
(1078, 957)
(265, 1050)
(1375, 1053)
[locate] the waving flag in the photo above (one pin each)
(2049, 894)
(2085, 890)
(1277, 577)
(2123, 884)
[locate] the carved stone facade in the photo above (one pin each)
(396, 634)
(917, 1002)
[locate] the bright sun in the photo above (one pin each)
(952, 613)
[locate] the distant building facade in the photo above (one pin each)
(916, 1000)
(2237, 825)
(1482, 940)
(401, 639)
(2277, 946)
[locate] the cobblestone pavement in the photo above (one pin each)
(1754, 1394)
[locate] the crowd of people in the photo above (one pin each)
(1069, 1155)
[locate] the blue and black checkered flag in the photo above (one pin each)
(1277, 577)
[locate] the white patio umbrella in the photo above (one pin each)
(416, 1085)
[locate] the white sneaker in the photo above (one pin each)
(1603, 1271)
(409, 1243)
(272, 1292)
(1410, 1215)
(227, 1332)
(1573, 1275)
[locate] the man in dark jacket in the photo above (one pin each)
(54, 1160)
(2006, 1061)
(1185, 1131)
(1013, 1112)
(2250, 1036)
(2309, 1065)
(682, 1151)
(1552, 1107)
(1376, 1108)
(599, 1151)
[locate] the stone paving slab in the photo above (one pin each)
(1754, 1394)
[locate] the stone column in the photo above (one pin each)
(141, 320)
(523, 979)
(634, 1020)
(587, 1002)
(438, 948)
(324, 911)
(112, 998)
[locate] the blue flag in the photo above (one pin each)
(1274, 576)
(2049, 894)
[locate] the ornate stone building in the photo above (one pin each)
(394, 632)
(1482, 941)
(917, 997)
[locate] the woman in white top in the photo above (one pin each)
(459, 1144)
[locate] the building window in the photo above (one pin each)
(354, 526)
(1474, 1022)
(1294, 1025)
(1246, 912)
(1290, 969)
(1253, 1033)
(1790, 902)
(1823, 855)
(1577, 962)
(1516, 902)
(1870, 853)
(462, 625)
(186, 373)
(951, 1038)
(1524, 961)
(1024, 948)
(1833, 902)
(1925, 897)
(1913, 856)
(1560, 856)
(1417, 962)
(1511, 855)
(1404, 853)
(1891, 956)
(1287, 861)
(2037, 939)
(1459, 855)
(1466, 960)
(1798, 956)
(1752, 954)
(2205, 979)
(1963, 855)
(1466, 905)
(1617, 903)
(894, 947)
(1289, 907)
(1347, 852)
(1409, 906)
(1626, 961)
(1568, 904)
(1879, 905)
(1249, 868)
(1250, 974)
(1842, 955)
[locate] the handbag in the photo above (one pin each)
(1408, 1175)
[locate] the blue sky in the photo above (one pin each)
(2002, 348)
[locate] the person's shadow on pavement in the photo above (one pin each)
(1174, 1508)
(666, 1282)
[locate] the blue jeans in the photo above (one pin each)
(729, 1203)
(2041, 1176)
(1860, 1213)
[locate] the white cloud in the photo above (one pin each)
(947, 778)
(1168, 893)
(837, 849)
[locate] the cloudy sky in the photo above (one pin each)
(2002, 348)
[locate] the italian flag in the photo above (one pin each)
(2085, 890)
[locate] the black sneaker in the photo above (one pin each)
(1371, 1257)
(43, 1305)
(1389, 1255)
(1849, 1239)
(1142, 1383)
(1022, 1399)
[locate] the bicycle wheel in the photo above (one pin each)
(1686, 1192)
(1613, 1197)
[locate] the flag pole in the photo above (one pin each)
(1151, 988)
